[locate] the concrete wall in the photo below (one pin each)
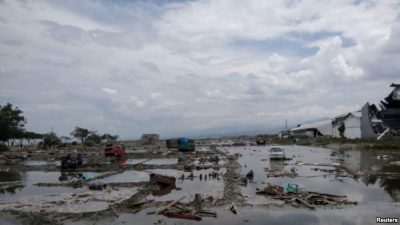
(352, 127)
(366, 127)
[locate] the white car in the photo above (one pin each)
(276, 152)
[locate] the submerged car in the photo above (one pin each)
(276, 152)
(114, 150)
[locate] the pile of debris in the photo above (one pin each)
(324, 170)
(291, 194)
(281, 173)
(193, 211)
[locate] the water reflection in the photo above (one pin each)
(276, 165)
(10, 182)
(375, 161)
(363, 190)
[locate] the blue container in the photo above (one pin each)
(185, 145)
(291, 188)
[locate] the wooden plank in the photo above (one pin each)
(304, 202)
(330, 195)
(169, 205)
(207, 213)
(141, 203)
(180, 215)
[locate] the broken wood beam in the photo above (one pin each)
(169, 205)
(181, 215)
(207, 213)
(298, 198)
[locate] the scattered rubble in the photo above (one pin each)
(281, 173)
(304, 198)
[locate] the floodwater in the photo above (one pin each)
(26, 184)
(376, 196)
(165, 161)
(363, 190)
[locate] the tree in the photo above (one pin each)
(28, 135)
(93, 136)
(11, 122)
(109, 137)
(50, 140)
(80, 133)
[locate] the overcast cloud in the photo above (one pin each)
(194, 67)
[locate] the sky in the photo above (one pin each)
(194, 68)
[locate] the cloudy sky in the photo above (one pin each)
(194, 67)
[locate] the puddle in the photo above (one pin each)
(190, 187)
(9, 176)
(36, 163)
(41, 162)
(125, 161)
(27, 180)
(134, 161)
(167, 161)
(127, 176)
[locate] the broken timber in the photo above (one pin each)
(169, 205)
(181, 215)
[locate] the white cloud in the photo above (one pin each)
(110, 91)
(179, 67)
(342, 68)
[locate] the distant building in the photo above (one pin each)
(150, 138)
(284, 134)
(314, 129)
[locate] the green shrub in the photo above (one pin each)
(89, 143)
(50, 140)
(3, 148)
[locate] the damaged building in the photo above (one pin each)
(390, 111)
(367, 123)
(315, 129)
